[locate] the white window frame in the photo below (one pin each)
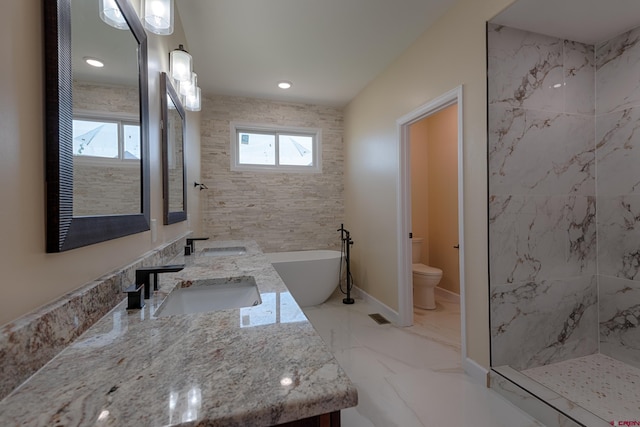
(236, 166)
(119, 118)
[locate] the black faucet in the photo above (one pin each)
(143, 276)
(191, 245)
(135, 295)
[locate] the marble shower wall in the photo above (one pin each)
(542, 207)
(281, 211)
(618, 189)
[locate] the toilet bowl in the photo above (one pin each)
(425, 279)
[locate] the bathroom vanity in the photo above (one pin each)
(259, 365)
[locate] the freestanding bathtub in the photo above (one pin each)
(311, 276)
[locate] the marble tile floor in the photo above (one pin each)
(409, 377)
(604, 386)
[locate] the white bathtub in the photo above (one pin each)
(311, 276)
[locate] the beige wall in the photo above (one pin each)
(443, 196)
(449, 54)
(419, 151)
(434, 192)
(31, 277)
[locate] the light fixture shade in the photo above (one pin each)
(158, 16)
(110, 13)
(188, 87)
(180, 67)
(193, 102)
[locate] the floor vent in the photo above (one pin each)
(379, 318)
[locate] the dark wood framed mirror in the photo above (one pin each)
(174, 171)
(70, 225)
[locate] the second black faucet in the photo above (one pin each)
(191, 247)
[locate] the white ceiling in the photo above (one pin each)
(586, 21)
(93, 38)
(328, 49)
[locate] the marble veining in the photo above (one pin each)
(618, 65)
(213, 369)
(537, 323)
(564, 263)
(538, 237)
(29, 342)
(618, 152)
(618, 203)
(618, 231)
(409, 376)
(579, 78)
(539, 152)
(524, 67)
(620, 319)
(542, 198)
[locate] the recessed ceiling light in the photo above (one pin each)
(284, 85)
(93, 62)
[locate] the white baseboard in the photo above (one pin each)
(380, 307)
(446, 295)
(476, 371)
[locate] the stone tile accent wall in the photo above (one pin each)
(100, 188)
(542, 223)
(281, 211)
(618, 159)
(28, 343)
(117, 99)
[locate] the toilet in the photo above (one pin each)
(425, 278)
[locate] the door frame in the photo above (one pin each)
(405, 286)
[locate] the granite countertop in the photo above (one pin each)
(255, 366)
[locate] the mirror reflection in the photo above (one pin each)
(175, 148)
(173, 131)
(106, 116)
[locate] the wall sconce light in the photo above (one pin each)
(180, 68)
(188, 87)
(192, 101)
(110, 13)
(158, 16)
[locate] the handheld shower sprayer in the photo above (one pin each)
(345, 237)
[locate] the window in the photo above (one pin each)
(106, 138)
(270, 148)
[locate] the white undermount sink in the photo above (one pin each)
(210, 295)
(228, 251)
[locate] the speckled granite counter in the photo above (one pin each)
(255, 366)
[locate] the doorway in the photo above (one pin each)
(405, 284)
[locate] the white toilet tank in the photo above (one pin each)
(416, 249)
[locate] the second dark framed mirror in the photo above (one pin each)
(174, 172)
